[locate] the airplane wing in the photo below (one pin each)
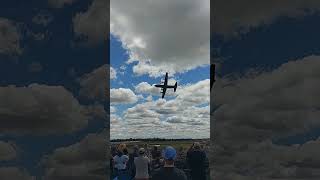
(163, 92)
(159, 85)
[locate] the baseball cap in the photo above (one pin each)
(197, 145)
(169, 153)
(141, 151)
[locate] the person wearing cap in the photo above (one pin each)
(120, 161)
(142, 166)
(169, 171)
(197, 162)
(131, 167)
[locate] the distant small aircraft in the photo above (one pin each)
(165, 86)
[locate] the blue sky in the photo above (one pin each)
(127, 79)
(268, 47)
(141, 54)
(55, 53)
(265, 105)
(59, 59)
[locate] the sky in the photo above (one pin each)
(265, 102)
(147, 40)
(264, 106)
(53, 119)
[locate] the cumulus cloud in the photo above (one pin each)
(96, 111)
(7, 151)
(166, 36)
(83, 160)
(13, 173)
(280, 102)
(40, 109)
(113, 109)
(170, 117)
(94, 23)
(113, 73)
(232, 17)
(269, 161)
(122, 96)
(250, 112)
(9, 37)
(94, 85)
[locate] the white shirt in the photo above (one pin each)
(141, 164)
(120, 163)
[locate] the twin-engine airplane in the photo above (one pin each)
(165, 85)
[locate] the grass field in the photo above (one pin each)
(177, 144)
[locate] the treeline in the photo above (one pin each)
(153, 139)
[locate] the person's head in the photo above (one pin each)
(181, 149)
(155, 148)
(121, 147)
(141, 151)
(169, 154)
(196, 146)
(135, 148)
(125, 151)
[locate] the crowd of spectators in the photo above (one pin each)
(155, 164)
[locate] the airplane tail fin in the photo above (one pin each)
(175, 86)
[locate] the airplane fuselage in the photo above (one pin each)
(165, 85)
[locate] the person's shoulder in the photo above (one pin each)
(125, 157)
(180, 173)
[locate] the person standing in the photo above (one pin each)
(131, 167)
(197, 161)
(142, 164)
(120, 162)
(169, 171)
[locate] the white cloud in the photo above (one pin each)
(268, 161)
(93, 24)
(113, 73)
(149, 98)
(83, 160)
(40, 109)
(7, 151)
(231, 17)
(113, 109)
(123, 67)
(174, 35)
(122, 96)
(250, 112)
(94, 84)
(96, 111)
(145, 87)
(280, 102)
(170, 118)
(9, 37)
(13, 173)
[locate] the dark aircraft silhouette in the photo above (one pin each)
(165, 85)
(212, 75)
